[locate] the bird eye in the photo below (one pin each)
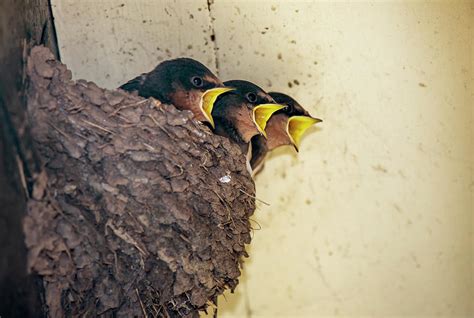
(251, 97)
(197, 81)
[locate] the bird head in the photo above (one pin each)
(187, 84)
(288, 126)
(252, 107)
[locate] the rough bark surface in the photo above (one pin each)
(139, 211)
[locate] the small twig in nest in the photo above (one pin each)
(97, 126)
(125, 236)
(141, 304)
(150, 147)
(254, 197)
(259, 226)
(59, 130)
(19, 163)
(224, 203)
(158, 125)
(181, 171)
(127, 106)
(252, 228)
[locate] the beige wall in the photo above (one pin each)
(374, 217)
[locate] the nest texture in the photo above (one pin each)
(139, 210)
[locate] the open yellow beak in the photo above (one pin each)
(209, 98)
(296, 127)
(262, 113)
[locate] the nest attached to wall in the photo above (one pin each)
(138, 210)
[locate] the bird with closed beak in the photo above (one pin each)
(243, 113)
(183, 82)
(285, 127)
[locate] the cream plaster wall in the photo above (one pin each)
(374, 217)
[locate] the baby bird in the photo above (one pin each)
(183, 82)
(285, 127)
(243, 113)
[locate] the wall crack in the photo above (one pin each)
(213, 35)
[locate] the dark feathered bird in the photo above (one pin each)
(285, 127)
(183, 82)
(243, 113)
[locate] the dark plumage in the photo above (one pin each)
(233, 118)
(240, 116)
(285, 127)
(183, 82)
(293, 107)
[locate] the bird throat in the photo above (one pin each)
(276, 131)
(188, 100)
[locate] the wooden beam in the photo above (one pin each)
(22, 24)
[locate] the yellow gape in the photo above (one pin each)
(262, 113)
(296, 127)
(209, 98)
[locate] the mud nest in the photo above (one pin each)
(138, 210)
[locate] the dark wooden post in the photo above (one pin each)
(22, 24)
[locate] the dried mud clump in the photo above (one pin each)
(138, 211)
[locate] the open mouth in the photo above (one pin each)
(209, 98)
(262, 113)
(297, 126)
